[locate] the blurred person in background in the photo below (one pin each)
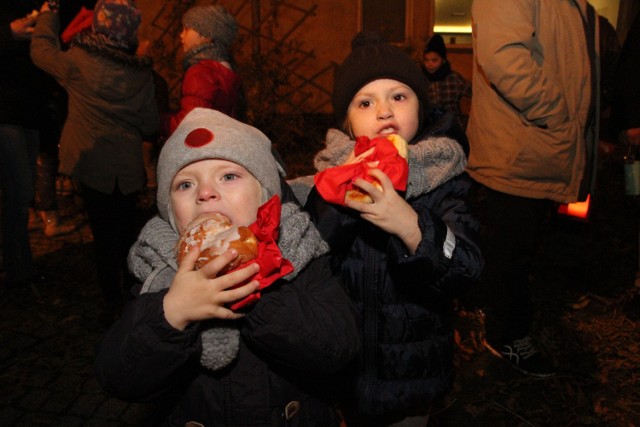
(446, 87)
(23, 97)
(111, 108)
(210, 80)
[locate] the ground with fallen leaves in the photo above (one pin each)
(586, 287)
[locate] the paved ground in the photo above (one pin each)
(47, 338)
(48, 334)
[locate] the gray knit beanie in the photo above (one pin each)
(213, 22)
(209, 134)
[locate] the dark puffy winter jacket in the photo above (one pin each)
(405, 301)
(292, 342)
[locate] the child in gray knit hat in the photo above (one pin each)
(210, 80)
(180, 333)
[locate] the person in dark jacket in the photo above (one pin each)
(209, 80)
(446, 87)
(404, 257)
(24, 95)
(625, 114)
(267, 362)
(111, 107)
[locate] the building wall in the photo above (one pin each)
(303, 46)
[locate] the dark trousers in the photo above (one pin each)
(18, 152)
(47, 169)
(510, 233)
(112, 219)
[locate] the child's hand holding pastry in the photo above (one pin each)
(387, 209)
(202, 294)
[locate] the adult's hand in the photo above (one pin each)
(22, 28)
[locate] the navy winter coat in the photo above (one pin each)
(405, 301)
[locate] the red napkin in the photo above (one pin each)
(333, 183)
(272, 265)
(83, 20)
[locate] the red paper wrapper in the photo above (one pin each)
(333, 183)
(272, 265)
(83, 20)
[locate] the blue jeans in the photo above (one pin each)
(18, 153)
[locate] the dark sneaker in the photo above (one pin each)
(524, 355)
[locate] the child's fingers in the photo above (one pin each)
(365, 186)
(236, 294)
(188, 263)
(213, 267)
(382, 177)
(241, 275)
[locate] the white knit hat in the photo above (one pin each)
(209, 134)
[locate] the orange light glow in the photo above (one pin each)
(578, 210)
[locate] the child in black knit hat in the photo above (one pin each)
(446, 87)
(406, 255)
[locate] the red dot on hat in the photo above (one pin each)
(198, 138)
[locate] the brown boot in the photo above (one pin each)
(53, 226)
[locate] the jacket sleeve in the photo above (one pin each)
(308, 325)
(337, 227)
(448, 256)
(464, 87)
(45, 48)
(506, 50)
(141, 355)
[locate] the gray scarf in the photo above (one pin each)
(432, 162)
(152, 261)
(213, 51)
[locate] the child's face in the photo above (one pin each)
(215, 185)
(432, 61)
(384, 107)
(191, 38)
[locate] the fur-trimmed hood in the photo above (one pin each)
(109, 71)
(111, 49)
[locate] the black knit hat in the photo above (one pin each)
(372, 58)
(436, 44)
